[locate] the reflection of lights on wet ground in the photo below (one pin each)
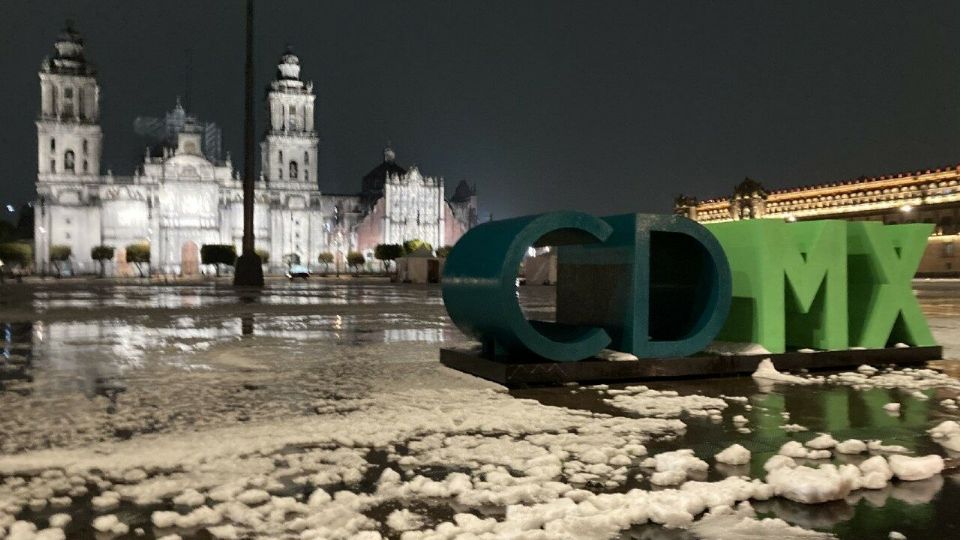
(426, 335)
(7, 340)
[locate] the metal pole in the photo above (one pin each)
(248, 139)
(249, 271)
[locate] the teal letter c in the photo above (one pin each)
(480, 290)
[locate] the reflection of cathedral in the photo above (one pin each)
(183, 196)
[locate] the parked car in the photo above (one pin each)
(298, 271)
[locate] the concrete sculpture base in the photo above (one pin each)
(539, 372)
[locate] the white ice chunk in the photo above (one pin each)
(823, 441)
(851, 446)
(767, 371)
(734, 455)
(916, 468)
(809, 486)
(404, 520)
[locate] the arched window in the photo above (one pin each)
(293, 170)
(86, 168)
(85, 147)
(306, 158)
(53, 165)
(68, 161)
(53, 144)
(306, 175)
(946, 225)
(280, 156)
(279, 173)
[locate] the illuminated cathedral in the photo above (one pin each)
(184, 195)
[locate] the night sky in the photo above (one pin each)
(606, 107)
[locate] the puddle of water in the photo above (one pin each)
(97, 356)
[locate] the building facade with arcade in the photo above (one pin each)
(921, 196)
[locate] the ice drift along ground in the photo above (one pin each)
(319, 411)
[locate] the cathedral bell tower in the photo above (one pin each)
(68, 127)
(289, 150)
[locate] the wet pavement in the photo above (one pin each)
(84, 363)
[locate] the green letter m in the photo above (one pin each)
(789, 283)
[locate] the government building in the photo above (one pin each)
(924, 196)
(184, 195)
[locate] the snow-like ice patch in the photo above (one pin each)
(404, 520)
(664, 404)
(851, 446)
(824, 441)
(733, 455)
(726, 523)
(947, 434)
(916, 468)
(808, 485)
(767, 371)
(794, 449)
(733, 348)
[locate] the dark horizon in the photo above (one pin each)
(606, 108)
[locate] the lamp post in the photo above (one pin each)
(249, 271)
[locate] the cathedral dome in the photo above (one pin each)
(374, 180)
(289, 66)
(463, 192)
(68, 58)
(69, 43)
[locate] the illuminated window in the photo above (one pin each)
(68, 161)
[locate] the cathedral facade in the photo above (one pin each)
(183, 196)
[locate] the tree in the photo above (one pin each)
(59, 254)
(138, 254)
(102, 254)
(355, 260)
(387, 253)
(217, 254)
(325, 258)
(264, 256)
(443, 252)
(415, 245)
(16, 254)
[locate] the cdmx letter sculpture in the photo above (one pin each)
(660, 286)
